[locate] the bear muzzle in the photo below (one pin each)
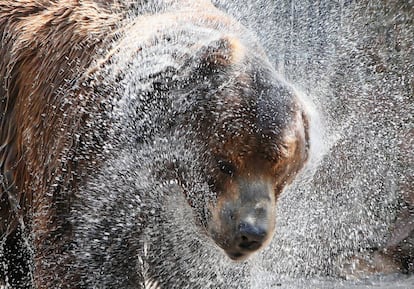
(244, 218)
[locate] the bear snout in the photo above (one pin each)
(243, 220)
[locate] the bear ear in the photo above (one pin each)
(297, 136)
(220, 54)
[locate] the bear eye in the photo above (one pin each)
(226, 167)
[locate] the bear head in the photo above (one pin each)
(251, 131)
(236, 133)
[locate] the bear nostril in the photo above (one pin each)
(251, 236)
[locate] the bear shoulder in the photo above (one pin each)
(37, 38)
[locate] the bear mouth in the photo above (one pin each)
(238, 255)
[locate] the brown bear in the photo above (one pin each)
(122, 119)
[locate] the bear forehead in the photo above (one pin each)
(251, 109)
(253, 106)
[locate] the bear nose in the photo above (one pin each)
(251, 236)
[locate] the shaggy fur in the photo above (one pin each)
(108, 108)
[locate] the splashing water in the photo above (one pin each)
(353, 63)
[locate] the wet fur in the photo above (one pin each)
(54, 135)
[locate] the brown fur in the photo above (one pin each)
(30, 81)
(32, 151)
(48, 50)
